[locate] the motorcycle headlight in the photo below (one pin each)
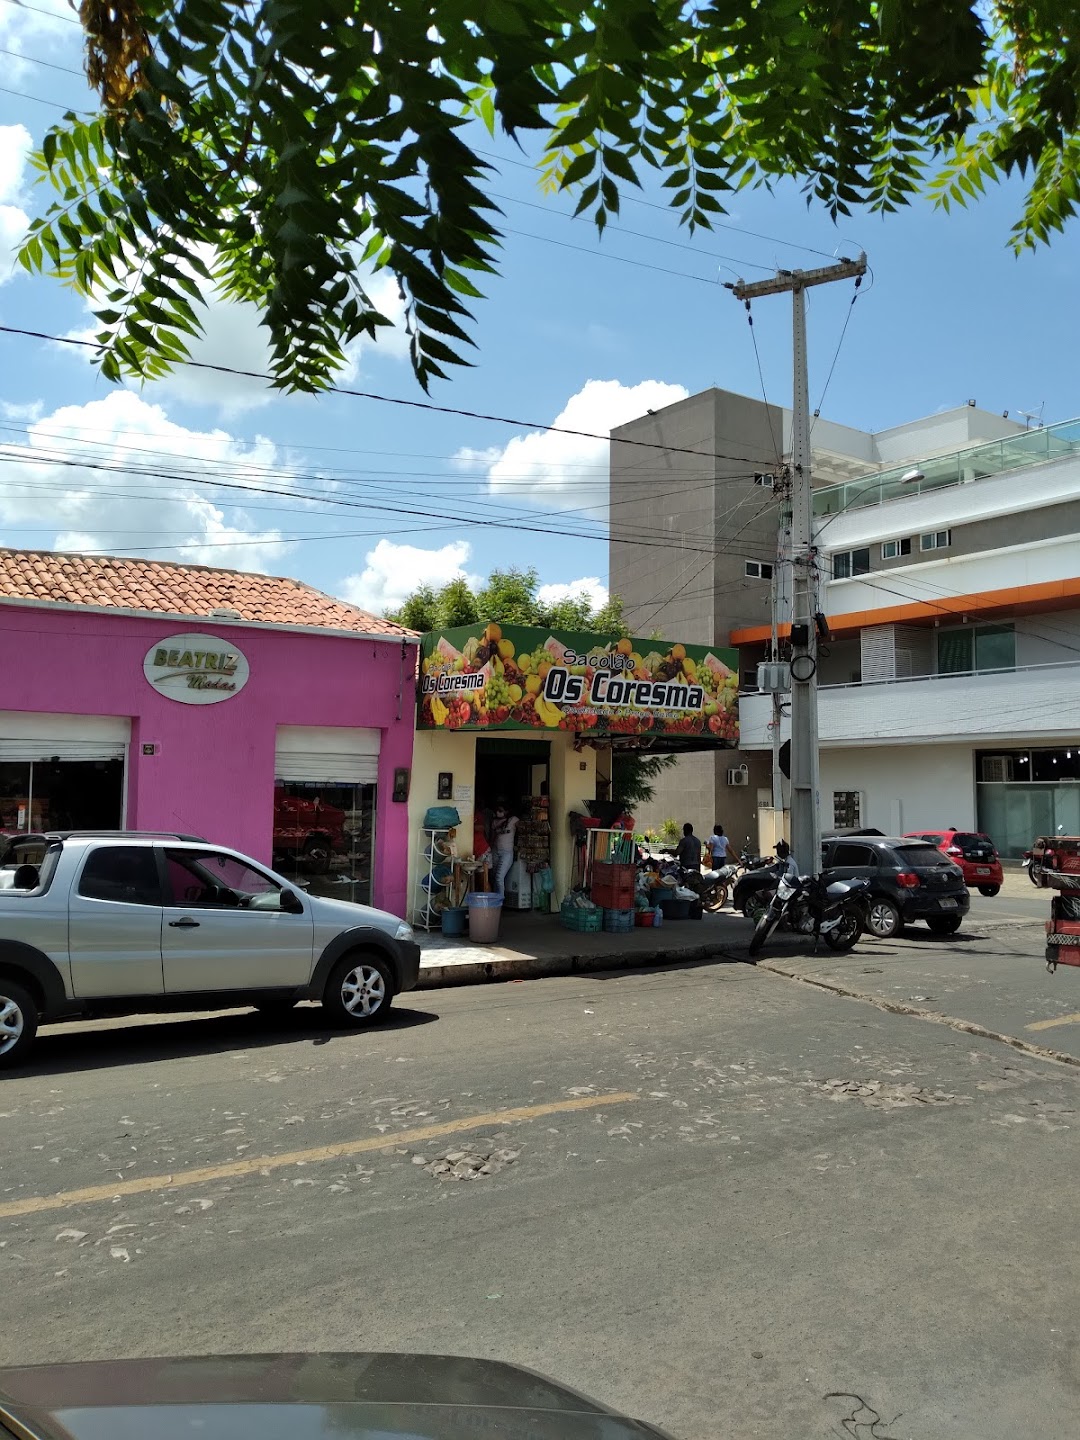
(404, 931)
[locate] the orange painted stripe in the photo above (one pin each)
(1020, 599)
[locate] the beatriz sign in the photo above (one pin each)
(196, 669)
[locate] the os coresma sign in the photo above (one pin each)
(196, 669)
(512, 677)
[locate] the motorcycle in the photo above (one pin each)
(810, 905)
(1026, 864)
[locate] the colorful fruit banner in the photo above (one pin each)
(511, 677)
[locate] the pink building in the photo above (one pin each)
(248, 709)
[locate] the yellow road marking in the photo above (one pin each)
(148, 1184)
(1072, 1019)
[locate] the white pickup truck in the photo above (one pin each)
(124, 923)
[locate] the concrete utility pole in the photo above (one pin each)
(805, 605)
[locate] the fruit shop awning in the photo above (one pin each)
(637, 693)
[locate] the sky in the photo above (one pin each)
(363, 498)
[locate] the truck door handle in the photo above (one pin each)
(185, 924)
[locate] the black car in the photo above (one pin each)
(754, 890)
(909, 880)
(307, 1397)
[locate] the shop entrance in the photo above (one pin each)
(517, 773)
(61, 795)
(511, 770)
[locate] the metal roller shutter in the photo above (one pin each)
(327, 755)
(25, 736)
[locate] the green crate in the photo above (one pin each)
(588, 922)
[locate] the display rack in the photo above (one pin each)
(435, 857)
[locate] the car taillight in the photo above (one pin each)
(908, 879)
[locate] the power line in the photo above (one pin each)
(836, 356)
(49, 14)
(40, 100)
(625, 230)
(48, 64)
(667, 210)
(411, 404)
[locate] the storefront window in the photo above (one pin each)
(324, 838)
(1026, 793)
(61, 794)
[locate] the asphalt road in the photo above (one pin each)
(798, 1210)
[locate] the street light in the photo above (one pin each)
(912, 477)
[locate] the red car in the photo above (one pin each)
(308, 829)
(976, 855)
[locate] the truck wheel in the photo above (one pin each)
(358, 991)
(18, 1022)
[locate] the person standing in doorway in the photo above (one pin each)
(719, 847)
(503, 838)
(688, 850)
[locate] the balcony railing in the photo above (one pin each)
(1032, 447)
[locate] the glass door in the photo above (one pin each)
(324, 837)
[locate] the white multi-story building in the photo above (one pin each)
(950, 691)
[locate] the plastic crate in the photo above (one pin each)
(619, 922)
(574, 917)
(612, 886)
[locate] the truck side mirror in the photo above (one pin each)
(291, 903)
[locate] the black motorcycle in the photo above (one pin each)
(811, 905)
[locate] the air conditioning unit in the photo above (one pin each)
(997, 769)
(738, 775)
(774, 677)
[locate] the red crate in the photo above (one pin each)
(613, 885)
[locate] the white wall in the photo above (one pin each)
(1048, 639)
(1027, 707)
(934, 579)
(938, 434)
(904, 788)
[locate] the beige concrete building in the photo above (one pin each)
(693, 546)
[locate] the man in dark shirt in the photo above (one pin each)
(688, 850)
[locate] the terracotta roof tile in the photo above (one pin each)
(161, 587)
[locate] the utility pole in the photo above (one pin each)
(802, 559)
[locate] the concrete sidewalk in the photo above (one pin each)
(533, 945)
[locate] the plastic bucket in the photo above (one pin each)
(485, 908)
(453, 920)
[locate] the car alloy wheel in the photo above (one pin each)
(363, 991)
(18, 1022)
(12, 1023)
(883, 919)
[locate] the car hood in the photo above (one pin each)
(348, 912)
(366, 1396)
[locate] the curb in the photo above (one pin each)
(535, 967)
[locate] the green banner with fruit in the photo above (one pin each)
(512, 677)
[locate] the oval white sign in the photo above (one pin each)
(196, 669)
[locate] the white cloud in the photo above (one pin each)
(15, 146)
(45, 28)
(234, 339)
(145, 496)
(469, 459)
(589, 586)
(392, 572)
(571, 471)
